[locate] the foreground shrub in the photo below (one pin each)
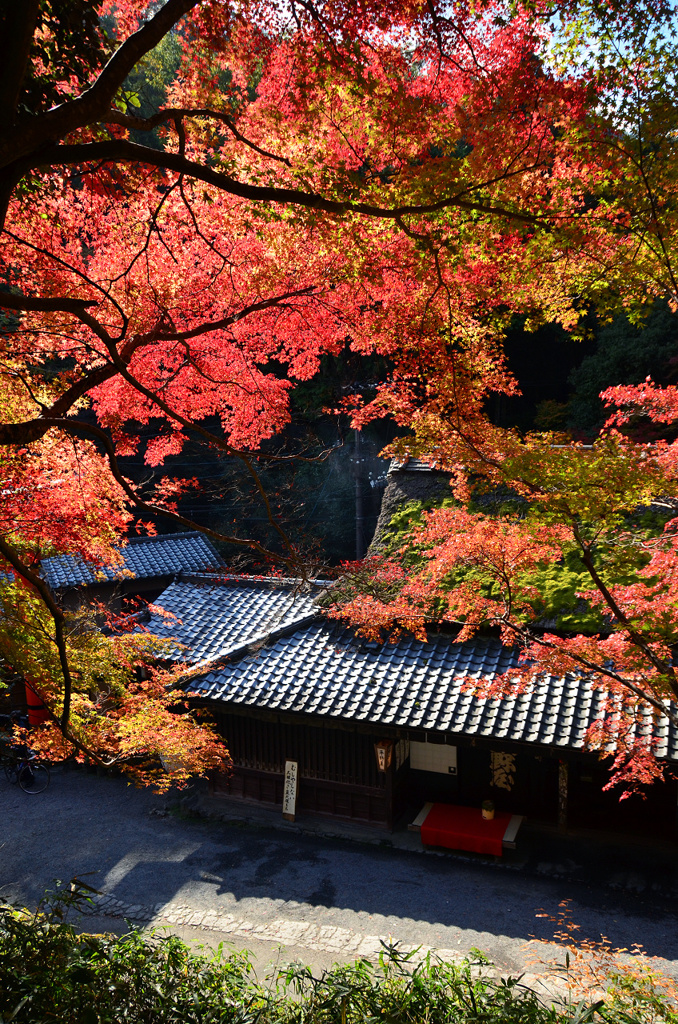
(50, 973)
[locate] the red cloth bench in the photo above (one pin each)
(464, 828)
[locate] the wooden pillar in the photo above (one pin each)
(562, 795)
(389, 792)
(359, 508)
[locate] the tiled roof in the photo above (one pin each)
(411, 465)
(143, 558)
(214, 620)
(324, 670)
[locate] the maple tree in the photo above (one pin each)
(407, 176)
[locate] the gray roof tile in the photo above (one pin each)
(320, 668)
(143, 558)
(212, 620)
(392, 686)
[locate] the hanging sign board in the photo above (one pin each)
(384, 751)
(433, 757)
(290, 788)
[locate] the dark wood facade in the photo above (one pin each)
(339, 777)
(338, 773)
(116, 595)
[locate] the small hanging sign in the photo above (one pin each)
(384, 752)
(290, 789)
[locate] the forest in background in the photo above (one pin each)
(560, 379)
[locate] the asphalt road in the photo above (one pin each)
(317, 898)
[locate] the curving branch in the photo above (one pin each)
(90, 430)
(123, 151)
(18, 27)
(649, 696)
(35, 304)
(12, 557)
(178, 114)
(233, 318)
(208, 436)
(30, 134)
(636, 636)
(27, 431)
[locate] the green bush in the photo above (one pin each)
(50, 973)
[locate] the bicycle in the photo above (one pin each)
(31, 776)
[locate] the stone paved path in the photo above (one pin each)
(275, 943)
(319, 899)
(282, 931)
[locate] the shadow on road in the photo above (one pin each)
(107, 832)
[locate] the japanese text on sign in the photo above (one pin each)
(290, 789)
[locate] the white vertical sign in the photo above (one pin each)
(290, 788)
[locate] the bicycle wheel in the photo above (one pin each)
(33, 778)
(12, 772)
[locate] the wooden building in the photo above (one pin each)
(286, 685)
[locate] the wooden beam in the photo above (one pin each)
(563, 773)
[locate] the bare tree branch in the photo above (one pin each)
(33, 133)
(35, 304)
(123, 151)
